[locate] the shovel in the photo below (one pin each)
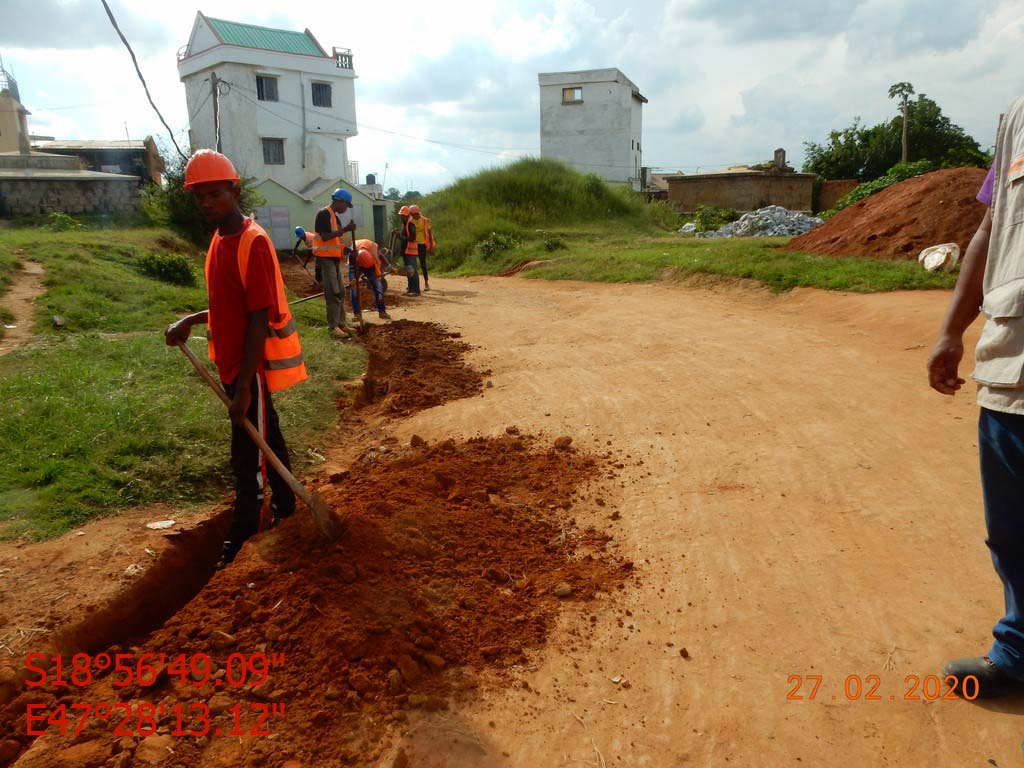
(324, 518)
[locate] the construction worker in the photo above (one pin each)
(410, 250)
(424, 241)
(252, 339)
(365, 262)
(332, 222)
(991, 278)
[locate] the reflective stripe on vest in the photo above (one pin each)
(282, 353)
(411, 249)
(332, 248)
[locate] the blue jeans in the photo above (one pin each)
(371, 277)
(1001, 447)
(414, 276)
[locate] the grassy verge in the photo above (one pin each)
(104, 415)
(611, 256)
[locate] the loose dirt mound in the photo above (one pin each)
(903, 220)
(452, 561)
(414, 366)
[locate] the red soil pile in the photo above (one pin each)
(414, 366)
(903, 220)
(450, 564)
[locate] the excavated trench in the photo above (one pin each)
(458, 558)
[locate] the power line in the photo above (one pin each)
(138, 71)
(374, 127)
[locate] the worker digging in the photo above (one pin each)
(251, 337)
(332, 222)
(365, 262)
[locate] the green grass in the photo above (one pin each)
(531, 194)
(592, 231)
(103, 415)
(611, 257)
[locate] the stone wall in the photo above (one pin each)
(744, 191)
(832, 191)
(33, 197)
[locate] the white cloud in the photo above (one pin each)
(728, 81)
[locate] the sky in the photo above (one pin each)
(728, 81)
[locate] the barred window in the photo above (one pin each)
(273, 151)
(322, 95)
(266, 88)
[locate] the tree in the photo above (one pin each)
(904, 91)
(392, 193)
(865, 153)
(174, 206)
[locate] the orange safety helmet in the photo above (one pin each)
(404, 210)
(208, 165)
(414, 209)
(365, 259)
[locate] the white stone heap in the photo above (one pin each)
(773, 221)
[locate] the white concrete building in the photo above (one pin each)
(592, 120)
(281, 107)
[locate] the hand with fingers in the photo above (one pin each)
(944, 364)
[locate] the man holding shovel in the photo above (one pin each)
(252, 340)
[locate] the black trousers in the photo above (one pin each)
(252, 471)
(422, 248)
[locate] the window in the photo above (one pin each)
(273, 151)
(266, 88)
(322, 95)
(572, 95)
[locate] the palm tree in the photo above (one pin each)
(904, 91)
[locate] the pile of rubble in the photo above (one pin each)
(773, 221)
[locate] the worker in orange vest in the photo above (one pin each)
(424, 241)
(365, 262)
(410, 250)
(332, 222)
(251, 338)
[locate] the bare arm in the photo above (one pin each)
(255, 336)
(944, 363)
(180, 330)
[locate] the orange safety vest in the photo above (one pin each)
(411, 249)
(332, 248)
(283, 364)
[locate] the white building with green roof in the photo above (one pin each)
(282, 108)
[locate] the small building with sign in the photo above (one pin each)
(277, 103)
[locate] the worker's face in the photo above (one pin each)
(416, 215)
(217, 200)
(340, 205)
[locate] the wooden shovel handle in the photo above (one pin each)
(275, 462)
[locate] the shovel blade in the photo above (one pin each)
(324, 517)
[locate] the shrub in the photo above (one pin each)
(896, 174)
(172, 205)
(58, 221)
(169, 267)
(552, 243)
(495, 243)
(710, 218)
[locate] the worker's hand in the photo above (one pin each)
(240, 405)
(943, 365)
(178, 332)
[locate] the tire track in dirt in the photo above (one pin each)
(20, 300)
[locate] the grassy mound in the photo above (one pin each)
(515, 201)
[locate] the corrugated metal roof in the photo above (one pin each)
(85, 144)
(265, 38)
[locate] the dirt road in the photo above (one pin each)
(805, 506)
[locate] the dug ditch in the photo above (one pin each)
(456, 560)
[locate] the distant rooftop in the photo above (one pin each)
(91, 144)
(266, 38)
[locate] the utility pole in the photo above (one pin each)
(215, 85)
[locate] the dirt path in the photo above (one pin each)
(27, 286)
(806, 506)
